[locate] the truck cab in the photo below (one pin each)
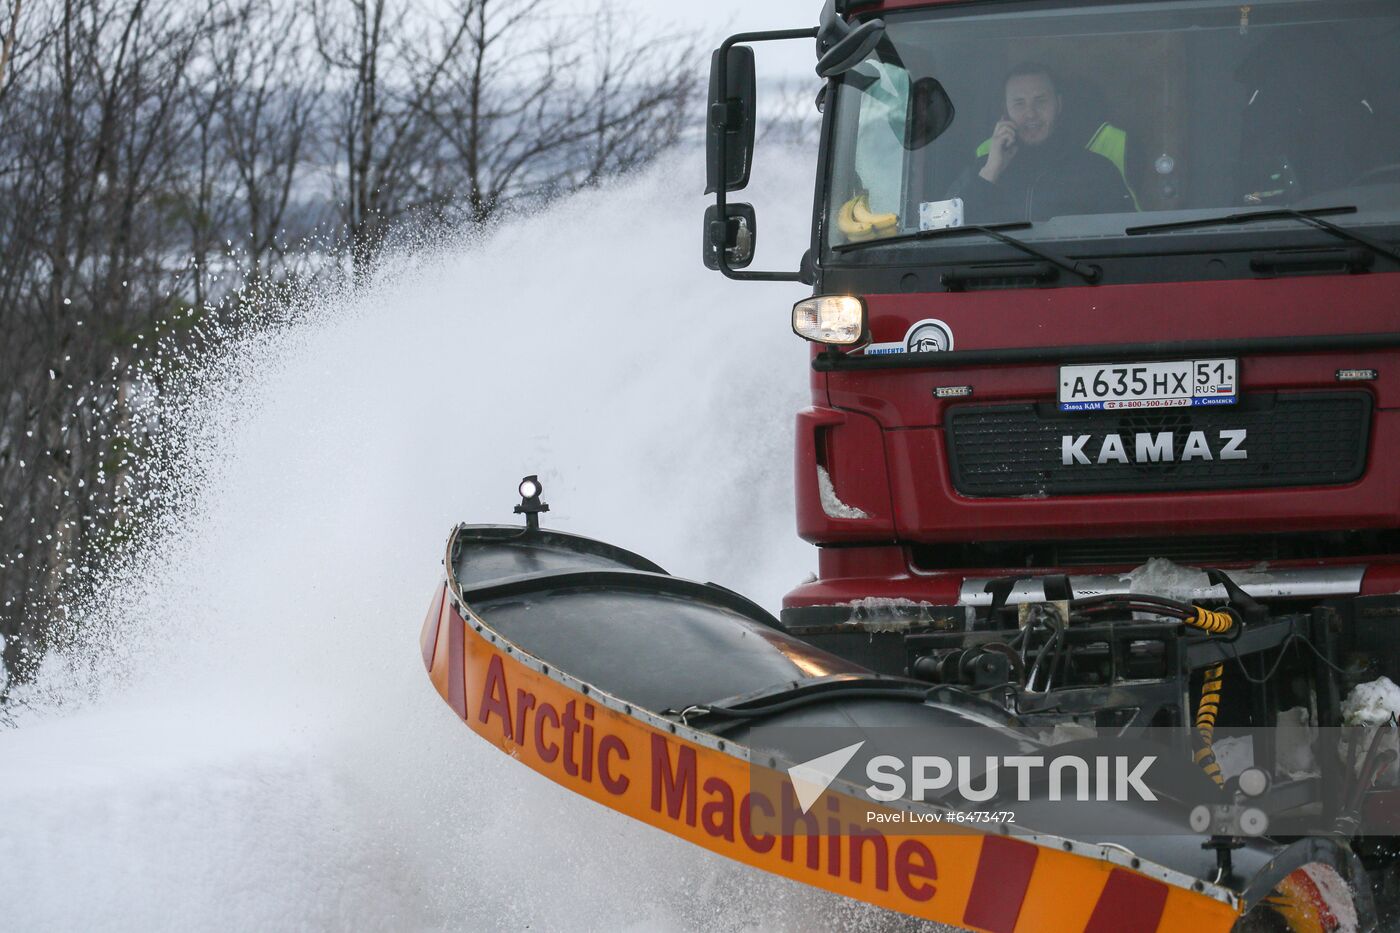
(1002, 415)
(1105, 313)
(1202, 370)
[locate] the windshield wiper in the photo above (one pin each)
(1311, 216)
(1086, 271)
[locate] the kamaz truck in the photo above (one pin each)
(1104, 447)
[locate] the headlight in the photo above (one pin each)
(834, 319)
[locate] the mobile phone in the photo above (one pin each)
(1016, 134)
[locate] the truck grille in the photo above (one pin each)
(1289, 440)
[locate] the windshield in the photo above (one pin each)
(1092, 119)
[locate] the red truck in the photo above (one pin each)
(1207, 376)
(1102, 466)
(1157, 357)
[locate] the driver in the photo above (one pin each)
(1033, 170)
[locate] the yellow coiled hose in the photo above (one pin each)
(1216, 623)
(1206, 711)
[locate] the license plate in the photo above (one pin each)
(1178, 384)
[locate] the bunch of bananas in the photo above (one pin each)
(857, 223)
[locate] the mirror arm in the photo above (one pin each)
(721, 195)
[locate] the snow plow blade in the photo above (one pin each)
(667, 700)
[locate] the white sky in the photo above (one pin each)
(730, 15)
(714, 19)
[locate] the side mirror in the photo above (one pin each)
(732, 118)
(730, 229)
(851, 49)
(736, 235)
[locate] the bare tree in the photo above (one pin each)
(7, 43)
(160, 159)
(90, 144)
(267, 123)
(505, 101)
(539, 106)
(254, 99)
(383, 67)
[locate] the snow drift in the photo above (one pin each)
(246, 739)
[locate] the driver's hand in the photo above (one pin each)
(1003, 150)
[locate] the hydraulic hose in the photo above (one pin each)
(1206, 711)
(1208, 620)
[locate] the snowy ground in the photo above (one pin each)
(251, 742)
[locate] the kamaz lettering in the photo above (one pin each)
(1147, 447)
